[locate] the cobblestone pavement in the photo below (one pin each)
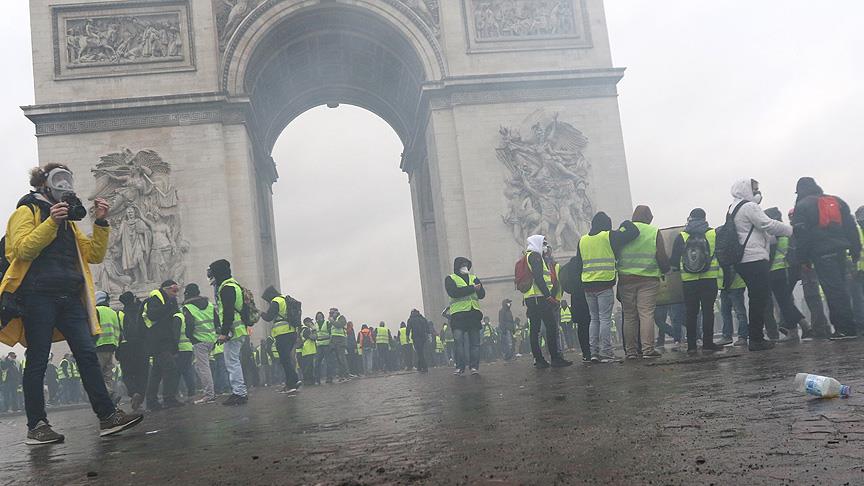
(726, 418)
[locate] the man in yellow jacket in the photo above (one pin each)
(47, 294)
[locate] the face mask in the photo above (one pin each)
(757, 198)
(463, 270)
(508, 305)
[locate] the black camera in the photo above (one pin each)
(77, 211)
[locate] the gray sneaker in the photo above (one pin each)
(43, 434)
(724, 341)
(118, 422)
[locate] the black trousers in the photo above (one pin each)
(420, 352)
(135, 366)
(782, 287)
(757, 277)
(164, 371)
(831, 270)
(582, 320)
(542, 312)
(285, 346)
(700, 295)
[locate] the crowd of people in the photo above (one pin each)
(176, 346)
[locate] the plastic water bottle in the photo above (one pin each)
(820, 386)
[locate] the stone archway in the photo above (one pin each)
(507, 111)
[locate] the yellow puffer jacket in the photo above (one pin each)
(26, 236)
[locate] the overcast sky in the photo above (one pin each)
(714, 91)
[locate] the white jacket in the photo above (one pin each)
(751, 215)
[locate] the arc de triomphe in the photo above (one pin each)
(507, 110)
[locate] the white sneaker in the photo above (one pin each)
(459, 372)
(475, 371)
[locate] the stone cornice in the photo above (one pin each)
(541, 86)
(133, 113)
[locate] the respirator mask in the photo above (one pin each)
(61, 188)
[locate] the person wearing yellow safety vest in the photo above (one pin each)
(595, 262)
(185, 355)
(640, 264)
(232, 330)
(339, 343)
(465, 291)
(407, 347)
(285, 313)
(51, 286)
(732, 300)
(382, 346)
(543, 304)
(417, 336)
(694, 247)
(163, 335)
(308, 351)
(107, 340)
(783, 282)
(324, 356)
(199, 331)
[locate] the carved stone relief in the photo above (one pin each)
(526, 24)
(229, 14)
(428, 10)
(547, 182)
(122, 38)
(506, 19)
(146, 246)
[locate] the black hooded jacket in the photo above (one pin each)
(418, 328)
(812, 241)
(626, 233)
(464, 320)
(164, 333)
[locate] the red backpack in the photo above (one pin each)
(522, 275)
(829, 212)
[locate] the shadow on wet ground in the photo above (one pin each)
(727, 418)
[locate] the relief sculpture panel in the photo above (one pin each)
(147, 245)
(120, 41)
(510, 24)
(547, 183)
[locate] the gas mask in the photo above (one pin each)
(61, 188)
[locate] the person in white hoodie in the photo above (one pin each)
(755, 230)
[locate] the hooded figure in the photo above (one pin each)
(643, 214)
(465, 322)
(192, 296)
(816, 238)
(102, 298)
(745, 193)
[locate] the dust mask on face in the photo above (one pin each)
(463, 270)
(757, 198)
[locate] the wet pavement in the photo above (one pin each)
(727, 418)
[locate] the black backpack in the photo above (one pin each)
(697, 254)
(729, 251)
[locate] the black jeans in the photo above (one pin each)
(582, 320)
(831, 270)
(285, 346)
(782, 288)
(757, 277)
(420, 352)
(164, 371)
(135, 366)
(700, 295)
(41, 315)
(541, 311)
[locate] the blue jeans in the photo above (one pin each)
(41, 315)
(467, 347)
(730, 300)
(600, 333)
(232, 364)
